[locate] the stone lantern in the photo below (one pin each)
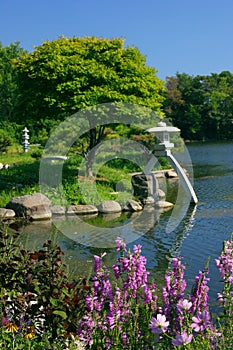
(163, 149)
(163, 133)
(25, 142)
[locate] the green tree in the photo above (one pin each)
(218, 105)
(67, 75)
(184, 105)
(201, 106)
(8, 80)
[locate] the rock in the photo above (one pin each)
(7, 166)
(109, 206)
(145, 186)
(57, 210)
(1, 166)
(148, 201)
(81, 209)
(41, 215)
(161, 194)
(170, 174)
(6, 213)
(132, 205)
(164, 204)
(34, 206)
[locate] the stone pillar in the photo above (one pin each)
(145, 188)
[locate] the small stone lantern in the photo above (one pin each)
(25, 138)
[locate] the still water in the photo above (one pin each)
(199, 234)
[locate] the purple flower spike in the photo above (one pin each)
(225, 262)
(97, 263)
(120, 245)
(159, 324)
(183, 339)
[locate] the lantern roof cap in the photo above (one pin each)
(162, 126)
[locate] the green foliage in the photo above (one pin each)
(112, 180)
(8, 80)
(67, 75)
(41, 306)
(37, 153)
(5, 141)
(13, 130)
(201, 106)
(36, 295)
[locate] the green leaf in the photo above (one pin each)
(60, 313)
(54, 301)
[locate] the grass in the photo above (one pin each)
(111, 181)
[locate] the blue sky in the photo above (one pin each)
(191, 36)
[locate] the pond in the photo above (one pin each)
(197, 234)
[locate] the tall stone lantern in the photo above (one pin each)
(163, 133)
(25, 140)
(163, 146)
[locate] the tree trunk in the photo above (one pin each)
(89, 163)
(96, 135)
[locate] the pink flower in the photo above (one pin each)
(184, 305)
(183, 339)
(201, 321)
(137, 249)
(4, 321)
(159, 324)
(97, 263)
(120, 245)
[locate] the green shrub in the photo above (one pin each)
(36, 295)
(37, 153)
(5, 141)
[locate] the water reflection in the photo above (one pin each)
(158, 246)
(197, 236)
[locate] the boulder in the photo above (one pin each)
(109, 206)
(145, 187)
(81, 209)
(41, 215)
(164, 204)
(57, 210)
(1, 166)
(6, 213)
(161, 194)
(34, 206)
(132, 205)
(170, 174)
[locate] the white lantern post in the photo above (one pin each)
(25, 138)
(163, 149)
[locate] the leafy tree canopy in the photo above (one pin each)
(66, 75)
(8, 79)
(201, 106)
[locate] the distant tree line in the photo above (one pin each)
(61, 77)
(201, 106)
